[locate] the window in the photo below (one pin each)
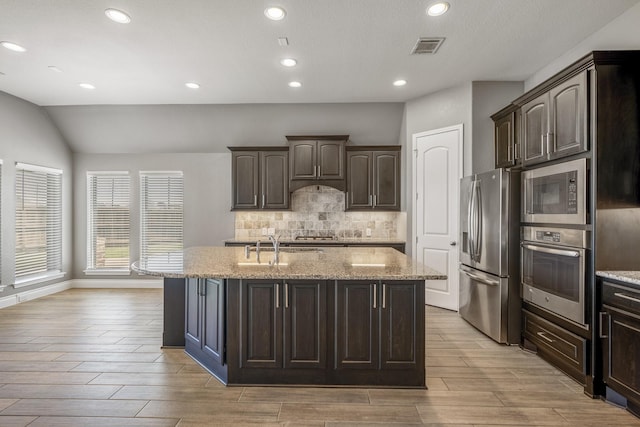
(38, 224)
(108, 222)
(161, 219)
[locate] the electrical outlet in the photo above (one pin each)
(264, 231)
(368, 232)
(271, 231)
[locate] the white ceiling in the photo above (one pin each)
(348, 50)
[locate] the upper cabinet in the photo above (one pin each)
(317, 160)
(554, 122)
(373, 178)
(506, 140)
(260, 178)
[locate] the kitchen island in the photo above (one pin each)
(319, 316)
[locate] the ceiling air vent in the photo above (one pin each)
(427, 45)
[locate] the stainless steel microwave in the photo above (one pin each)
(556, 194)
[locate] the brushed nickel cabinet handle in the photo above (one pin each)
(544, 337)
(277, 295)
(384, 295)
(375, 296)
(255, 199)
(627, 297)
(263, 200)
(286, 295)
(601, 326)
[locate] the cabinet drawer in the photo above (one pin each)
(622, 297)
(560, 345)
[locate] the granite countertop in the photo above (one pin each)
(632, 277)
(331, 263)
(344, 240)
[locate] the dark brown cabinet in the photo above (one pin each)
(205, 323)
(620, 339)
(377, 326)
(317, 158)
(373, 178)
(326, 332)
(260, 178)
(283, 325)
(506, 139)
(554, 122)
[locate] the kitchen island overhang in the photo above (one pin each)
(330, 316)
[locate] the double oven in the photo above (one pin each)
(555, 238)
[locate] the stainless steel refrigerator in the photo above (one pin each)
(489, 253)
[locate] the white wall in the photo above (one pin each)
(28, 135)
(623, 33)
(207, 197)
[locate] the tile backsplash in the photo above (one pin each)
(319, 210)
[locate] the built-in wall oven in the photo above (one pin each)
(556, 194)
(553, 263)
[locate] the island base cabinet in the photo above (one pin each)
(205, 318)
(360, 333)
(379, 333)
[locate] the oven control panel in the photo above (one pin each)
(548, 236)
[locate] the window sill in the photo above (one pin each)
(99, 272)
(37, 278)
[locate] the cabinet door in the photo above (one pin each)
(330, 160)
(192, 333)
(261, 329)
(357, 328)
(535, 129)
(504, 141)
(359, 172)
(213, 327)
(303, 160)
(386, 180)
(274, 180)
(568, 117)
(402, 325)
(621, 368)
(305, 334)
(245, 179)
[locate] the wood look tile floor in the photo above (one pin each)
(92, 357)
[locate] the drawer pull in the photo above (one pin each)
(544, 337)
(602, 321)
(627, 297)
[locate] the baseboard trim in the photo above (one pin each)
(32, 294)
(118, 283)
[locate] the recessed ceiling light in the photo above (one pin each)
(275, 13)
(14, 47)
(86, 86)
(117, 16)
(400, 82)
(438, 9)
(192, 85)
(289, 62)
(54, 68)
(295, 84)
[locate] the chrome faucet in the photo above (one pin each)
(276, 248)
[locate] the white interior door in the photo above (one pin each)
(437, 174)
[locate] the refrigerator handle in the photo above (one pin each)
(477, 239)
(470, 219)
(481, 279)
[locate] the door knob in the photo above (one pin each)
(453, 243)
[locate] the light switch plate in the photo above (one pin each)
(271, 231)
(264, 231)
(368, 232)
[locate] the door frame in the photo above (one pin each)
(414, 147)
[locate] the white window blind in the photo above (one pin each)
(161, 220)
(38, 222)
(108, 222)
